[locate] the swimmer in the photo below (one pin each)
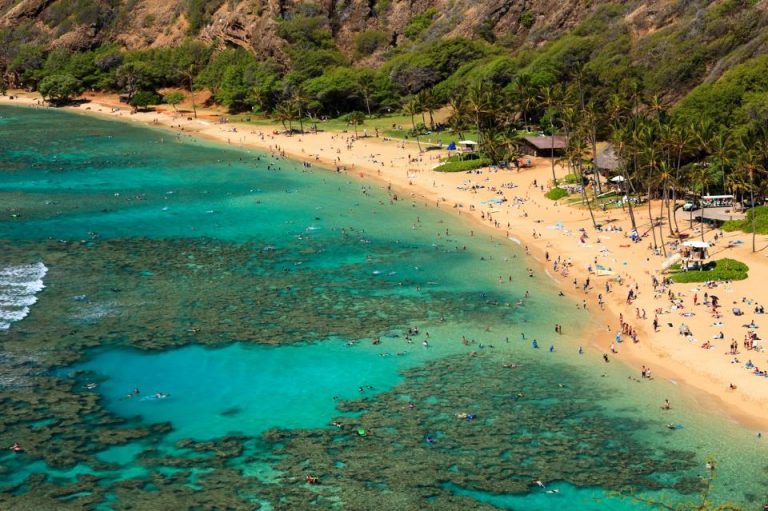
(666, 405)
(581, 350)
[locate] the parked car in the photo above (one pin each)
(690, 206)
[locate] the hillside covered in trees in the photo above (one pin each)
(679, 87)
(368, 54)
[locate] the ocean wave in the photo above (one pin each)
(19, 286)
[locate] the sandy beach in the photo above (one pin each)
(513, 203)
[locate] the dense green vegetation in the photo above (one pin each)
(463, 165)
(757, 219)
(556, 193)
(722, 269)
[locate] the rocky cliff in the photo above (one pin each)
(251, 24)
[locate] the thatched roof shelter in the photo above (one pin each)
(543, 145)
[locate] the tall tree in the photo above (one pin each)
(459, 118)
(549, 101)
(411, 107)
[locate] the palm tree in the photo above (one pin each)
(548, 101)
(411, 107)
(299, 100)
(429, 103)
(501, 145)
(525, 96)
(589, 116)
(619, 136)
(577, 148)
(644, 141)
(478, 101)
(664, 176)
(750, 163)
(701, 176)
(680, 138)
(721, 148)
(365, 83)
(286, 111)
(459, 118)
(356, 118)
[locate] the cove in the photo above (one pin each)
(248, 389)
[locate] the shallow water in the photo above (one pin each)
(248, 291)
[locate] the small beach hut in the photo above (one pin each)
(607, 162)
(544, 145)
(694, 254)
(467, 146)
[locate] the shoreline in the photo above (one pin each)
(527, 221)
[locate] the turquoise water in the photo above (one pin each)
(248, 389)
(248, 292)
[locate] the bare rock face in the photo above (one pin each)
(251, 24)
(16, 12)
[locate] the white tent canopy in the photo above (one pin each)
(617, 179)
(696, 244)
(467, 142)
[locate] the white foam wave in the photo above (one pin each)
(18, 286)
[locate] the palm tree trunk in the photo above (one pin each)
(192, 95)
(301, 121)
(650, 217)
(585, 199)
(552, 154)
(661, 219)
(669, 212)
(594, 164)
(629, 201)
(752, 203)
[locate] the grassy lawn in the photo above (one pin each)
(761, 221)
(722, 269)
(463, 166)
(384, 124)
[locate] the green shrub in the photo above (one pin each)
(369, 41)
(722, 269)
(199, 13)
(463, 166)
(571, 179)
(527, 19)
(419, 23)
(463, 157)
(761, 221)
(556, 193)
